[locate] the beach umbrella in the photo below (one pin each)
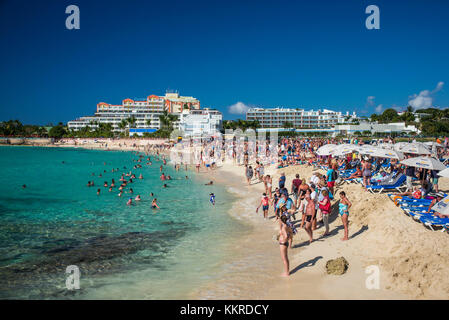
(415, 148)
(326, 149)
(388, 146)
(344, 149)
(383, 153)
(433, 144)
(442, 206)
(424, 162)
(444, 173)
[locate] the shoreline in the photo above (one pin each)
(308, 279)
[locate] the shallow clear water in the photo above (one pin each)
(122, 251)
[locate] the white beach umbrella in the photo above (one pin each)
(442, 206)
(388, 146)
(399, 145)
(415, 148)
(432, 144)
(344, 149)
(326, 149)
(424, 162)
(383, 153)
(444, 173)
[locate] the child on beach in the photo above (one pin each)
(344, 206)
(265, 203)
(212, 199)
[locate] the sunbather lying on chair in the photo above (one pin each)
(356, 174)
(438, 198)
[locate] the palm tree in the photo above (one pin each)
(122, 125)
(167, 120)
(131, 122)
(287, 125)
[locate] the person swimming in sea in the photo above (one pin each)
(154, 204)
(212, 199)
(209, 183)
(120, 193)
(130, 202)
(137, 198)
(98, 191)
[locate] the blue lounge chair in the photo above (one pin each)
(398, 183)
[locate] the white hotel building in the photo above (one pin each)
(300, 118)
(196, 123)
(142, 110)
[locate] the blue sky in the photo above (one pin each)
(310, 54)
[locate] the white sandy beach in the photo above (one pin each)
(412, 259)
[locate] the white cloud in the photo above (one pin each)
(370, 101)
(424, 99)
(238, 108)
(439, 87)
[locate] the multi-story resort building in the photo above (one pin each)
(298, 118)
(145, 111)
(200, 122)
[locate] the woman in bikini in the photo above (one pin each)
(343, 209)
(154, 204)
(366, 170)
(285, 234)
(268, 183)
(303, 189)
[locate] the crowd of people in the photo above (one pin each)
(305, 203)
(129, 177)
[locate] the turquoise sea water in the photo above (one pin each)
(122, 251)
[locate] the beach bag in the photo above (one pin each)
(327, 207)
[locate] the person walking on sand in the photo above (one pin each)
(268, 184)
(285, 234)
(325, 207)
(282, 181)
(265, 203)
(249, 174)
(343, 209)
(310, 215)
